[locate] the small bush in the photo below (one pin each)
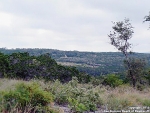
(112, 80)
(76, 106)
(27, 94)
(146, 102)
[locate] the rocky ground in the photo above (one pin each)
(66, 109)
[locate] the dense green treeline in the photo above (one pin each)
(25, 66)
(93, 63)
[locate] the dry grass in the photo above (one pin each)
(7, 84)
(126, 96)
(118, 98)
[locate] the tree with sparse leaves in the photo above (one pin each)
(122, 33)
(119, 38)
(147, 18)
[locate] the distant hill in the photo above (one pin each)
(93, 63)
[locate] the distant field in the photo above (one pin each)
(69, 64)
(76, 64)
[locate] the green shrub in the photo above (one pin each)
(80, 97)
(76, 106)
(27, 94)
(60, 91)
(61, 98)
(146, 102)
(112, 80)
(86, 101)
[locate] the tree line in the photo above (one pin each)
(24, 66)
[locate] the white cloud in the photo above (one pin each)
(5, 19)
(70, 24)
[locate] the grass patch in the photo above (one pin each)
(79, 97)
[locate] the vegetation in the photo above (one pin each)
(42, 86)
(137, 69)
(147, 18)
(24, 66)
(122, 33)
(92, 63)
(26, 98)
(33, 82)
(112, 80)
(78, 97)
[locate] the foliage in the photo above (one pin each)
(80, 97)
(146, 102)
(122, 33)
(92, 63)
(76, 106)
(4, 64)
(112, 80)
(136, 68)
(147, 75)
(22, 65)
(147, 18)
(27, 96)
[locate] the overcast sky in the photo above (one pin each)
(81, 25)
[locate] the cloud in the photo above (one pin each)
(70, 25)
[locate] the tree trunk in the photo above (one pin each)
(133, 78)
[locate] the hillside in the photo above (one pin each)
(93, 63)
